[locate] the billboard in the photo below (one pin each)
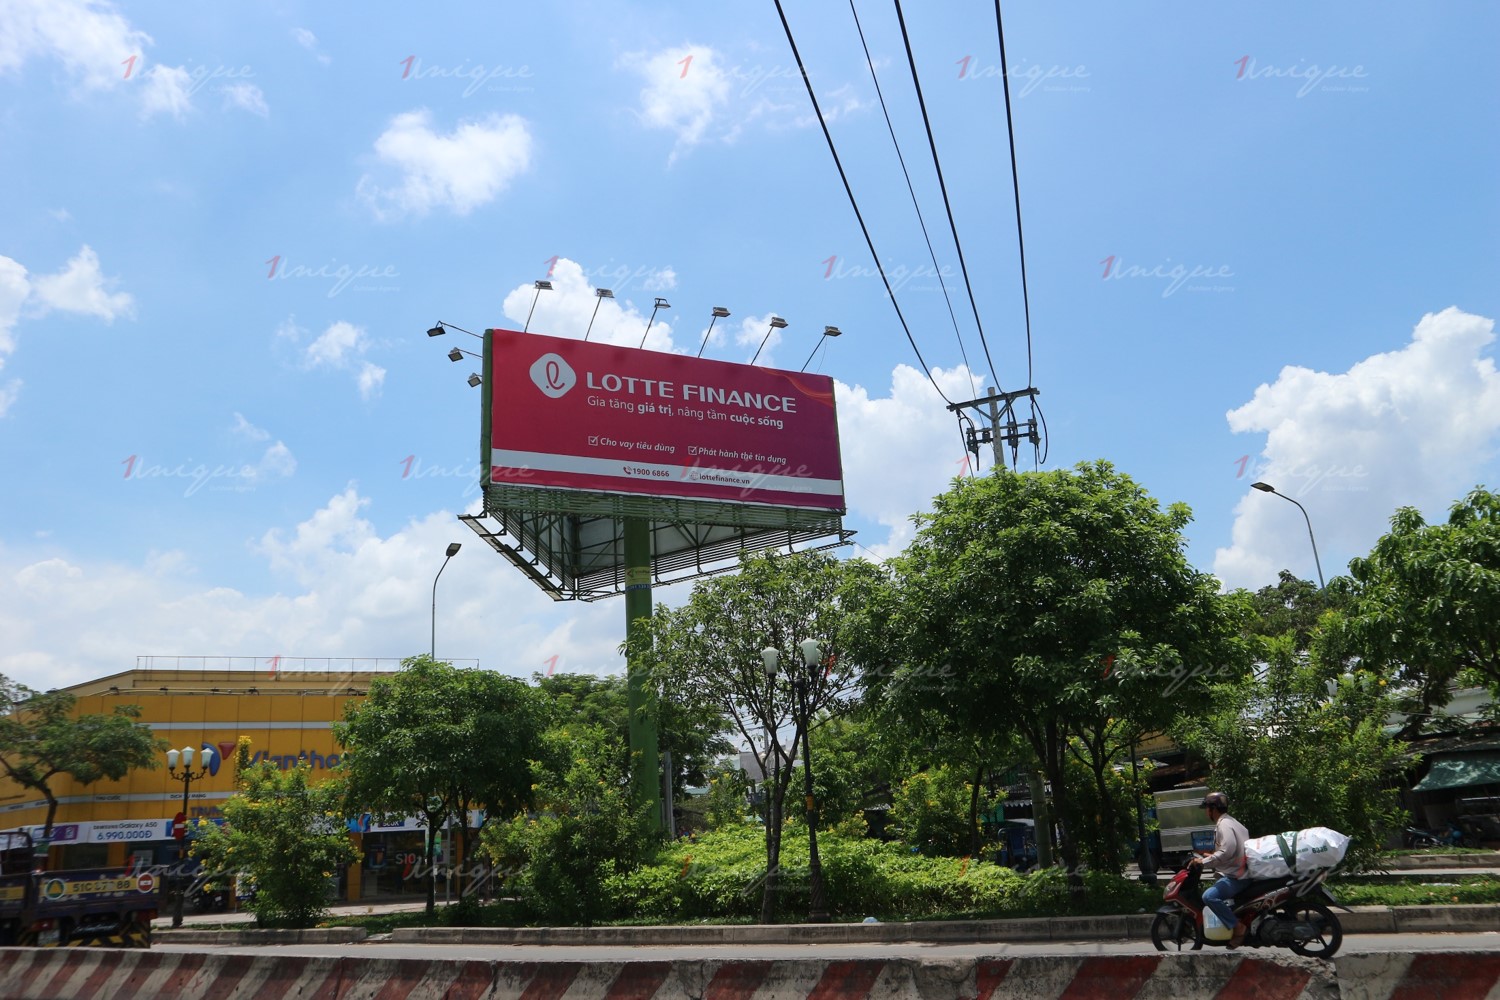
(596, 418)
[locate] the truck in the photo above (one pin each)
(91, 907)
(1184, 827)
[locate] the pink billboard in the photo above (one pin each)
(571, 415)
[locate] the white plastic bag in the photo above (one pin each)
(1297, 853)
(1213, 928)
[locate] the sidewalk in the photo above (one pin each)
(201, 920)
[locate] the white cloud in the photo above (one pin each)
(335, 345)
(685, 88)
(370, 379)
(900, 450)
(246, 429)
(81, 288)
(341, 347)
(14, 287)
(697, 94)
(89, 37)
(8, 393)
(345, 591)
(168, 90)
(309, 41)
(246, 97)
(277, 461)
(1411, 427)
(460, 171)
(78, 288)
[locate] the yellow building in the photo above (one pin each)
(288, 716)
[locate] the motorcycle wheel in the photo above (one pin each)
(1326, 943)
(1176, 932)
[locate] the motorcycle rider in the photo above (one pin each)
(1228, 858)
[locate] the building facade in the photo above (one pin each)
(288, 716)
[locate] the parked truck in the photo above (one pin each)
(1185, 828)
(99, 907)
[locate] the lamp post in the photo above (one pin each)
(1268, 488)
(661, 303)
(540, 286)
(719, 313)
(770, 657)
(453, 548)
(187, 776)
(811, 653)
(777, 323)
(600, 294)
(828, 331)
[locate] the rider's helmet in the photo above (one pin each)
(1215, 800)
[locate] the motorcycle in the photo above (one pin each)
(1292, 912)
(1416, 837)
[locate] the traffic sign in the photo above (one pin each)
(179, 826)
(145, 882)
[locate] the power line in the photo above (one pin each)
(1015, 182)
(853, 203)
(943, 187)
(912, 191)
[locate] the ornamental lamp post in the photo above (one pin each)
(812, 655)
(187, 776)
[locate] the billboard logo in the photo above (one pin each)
(214, 759)
(553, 375)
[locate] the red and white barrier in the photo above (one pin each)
(1426, 976)
(48, 974)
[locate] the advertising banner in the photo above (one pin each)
(571, 415)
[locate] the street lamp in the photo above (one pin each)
(777, 323)
(600, 294)
(187, 776)
(540, 286)
(1268, 488)
(770, 657)
(719, 313)
(453, 548)
(661, 303)
(812, 654)
(828, 331)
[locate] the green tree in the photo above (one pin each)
(1051, 599)
(1425, 603)
(930, 810)
(691, 734)
(708, 653)
(1292, 754)
(286, 835)
(439, 742)
(41, 738)
(586, 829)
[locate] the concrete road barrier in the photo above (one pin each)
(46, 974)
(1428, 976)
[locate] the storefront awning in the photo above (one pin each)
(1461, 772)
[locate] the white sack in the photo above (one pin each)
(1295, 853)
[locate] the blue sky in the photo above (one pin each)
(228, 227)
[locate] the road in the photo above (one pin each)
(1360, 944)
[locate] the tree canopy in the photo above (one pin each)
(41, 737)
(439, 742)
(1426, 600)
(1055, 602)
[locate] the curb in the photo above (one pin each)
(1363, 920)
(1417, 862)
(251, 936)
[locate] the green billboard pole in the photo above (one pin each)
(644, 749)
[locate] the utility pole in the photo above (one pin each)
(996, 407)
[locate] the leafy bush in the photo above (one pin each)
(719, 876)
(287, 836)
(588, 829)
(931, 811)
